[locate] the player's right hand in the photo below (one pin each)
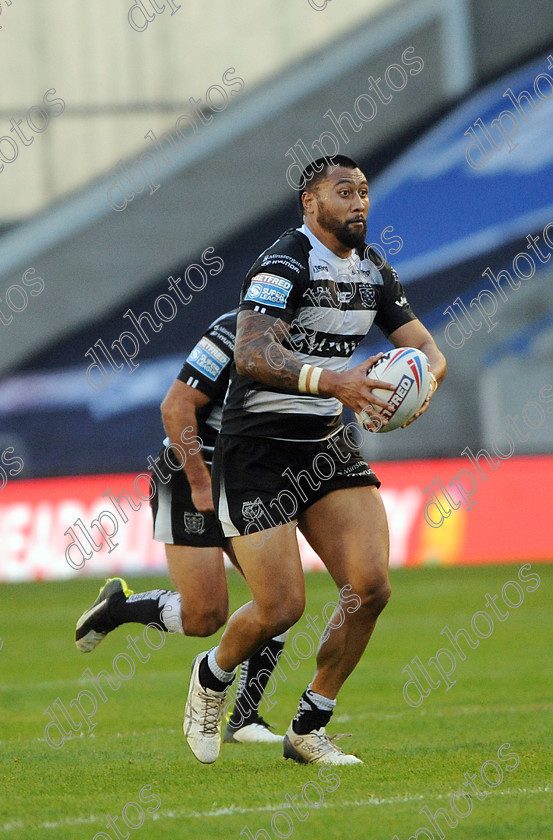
(354, 388)
(202, 497)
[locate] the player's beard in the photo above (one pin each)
(351, 237)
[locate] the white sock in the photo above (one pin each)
(319, 701)
(170, 605)
(223, 676)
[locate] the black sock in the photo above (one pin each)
(208, 679)
(254, 675)
(142, 608)
(309, 716)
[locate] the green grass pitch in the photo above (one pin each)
(415, 758)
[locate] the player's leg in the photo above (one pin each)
(348, 529)
(193, 543)
(274, 574)
(202, 588)
(245, 723)
(247, 480)
(271, 565)
(198, 608)
(272, 568)
(356, 555)
(201, 600)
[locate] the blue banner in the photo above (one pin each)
(480, 178)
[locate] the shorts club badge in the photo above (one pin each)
(252, 510)
(194, 523)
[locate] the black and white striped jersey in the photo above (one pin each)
(329, 305)
(207, 368)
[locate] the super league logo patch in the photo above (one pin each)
(208, 359)
(269, 290)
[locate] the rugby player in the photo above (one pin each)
(283, 457)
(184, 519)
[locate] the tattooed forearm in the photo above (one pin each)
(260, 354)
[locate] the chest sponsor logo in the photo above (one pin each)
(319, 296)
(315, 346)
(360, 271)
(344, 295)
(269, 290)
(208, 359)
(194, 522)
(333, 295)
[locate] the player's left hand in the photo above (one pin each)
(431, 391)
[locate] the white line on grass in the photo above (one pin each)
(182, 813)
(454, 711)
(80, 681)
(82, 735)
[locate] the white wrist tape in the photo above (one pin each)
(308, 382)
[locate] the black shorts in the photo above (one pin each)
(260, 483)
(176, 520)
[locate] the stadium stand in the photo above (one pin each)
(118, 426)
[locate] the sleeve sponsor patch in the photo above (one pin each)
(282, 259)
(269, 290)
(208, 359)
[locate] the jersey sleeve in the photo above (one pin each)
(275, 283)
(207, 367)
(394, 310)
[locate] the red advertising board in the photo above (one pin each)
(503, 513)
(34, 516)
(440, 512)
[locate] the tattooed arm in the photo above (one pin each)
(260, 355)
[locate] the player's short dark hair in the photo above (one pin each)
(317, 171)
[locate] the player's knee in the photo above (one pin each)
(375, 596)
(288, 620)
(283, 622)
(383, 595)
(293, 610)
(281, 617)
(203, 623)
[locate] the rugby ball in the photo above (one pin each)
(409, 370)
